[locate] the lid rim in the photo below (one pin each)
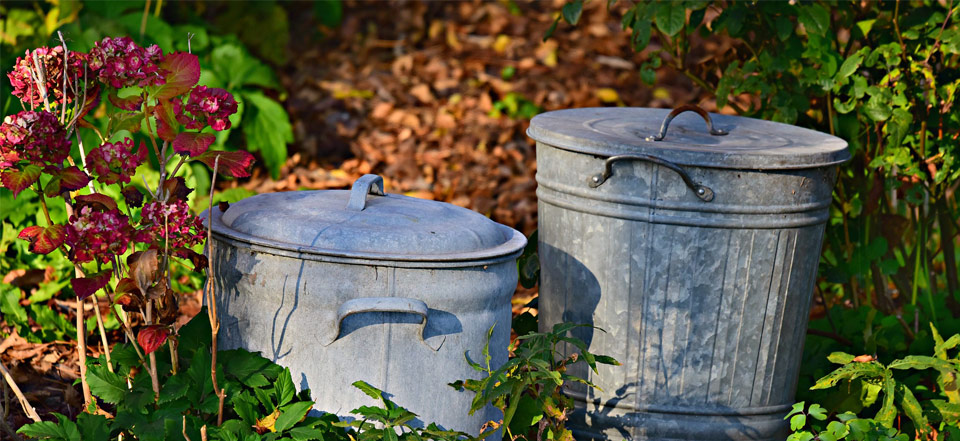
(832, 151)
(514, 242)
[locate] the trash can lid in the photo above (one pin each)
(366, 223)
(747, 143)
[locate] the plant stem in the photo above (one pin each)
(155, 382)
(27, 408)
(82, 351)
(212, 297)
(103, 332)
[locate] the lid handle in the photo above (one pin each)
(366, 184)
(681, 109)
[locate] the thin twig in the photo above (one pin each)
(27, 408)
(63, 102)
(103, 332)
(185, 436)
(143, 21)
(211, 296)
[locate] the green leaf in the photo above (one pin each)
(292, 415)
(877, 108)
(571, 11)
(865, 26)
(797, 422)
(869, 393)
(840, 357)
(551, 29)
(64, 430)
(328, 12)
(10, 305)
(670, 17)
(888, 412)
(92, 426)
(943, 410)
(371, 391)
(850, 65)
(247, 367)
(849, 372)
(817, 412)
(815, 19)
(267, 129)
(106, 385)
(911, 407)
(235, 66)
(285, 388)
(922, 362)
(898, 127)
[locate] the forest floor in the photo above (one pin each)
(436, 98)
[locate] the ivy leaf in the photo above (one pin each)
(267, 130)
(671, 16)
(68, 179)
(152, 337)
(193, 143)
(236, 164)
(43, 240)
(19, 180)
(183, 72)
(86, 286)
(571, 11)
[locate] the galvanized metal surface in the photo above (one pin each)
(402, 326)
(704, 303)
(751, 143)
(358, 224)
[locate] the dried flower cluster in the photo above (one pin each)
(34, 137)
(47, 64)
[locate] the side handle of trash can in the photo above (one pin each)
(380, 304)
(702, 191)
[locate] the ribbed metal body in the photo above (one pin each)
(401, 322)
(705, 303)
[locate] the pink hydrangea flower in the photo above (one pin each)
(115, 162)
(99, 235)
(182, 228)
(207, 106)
(36, 137)
(120, 62)
(51, 63)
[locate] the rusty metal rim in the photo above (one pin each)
(510, 249)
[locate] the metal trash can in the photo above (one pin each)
(696, 250)
(341, 286)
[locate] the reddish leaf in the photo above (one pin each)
(167, 125)
(132, 196)
(86, 286)
(176, 188)
(131, 103)
(193, 143)
(127, 285)
(183, 72)
(68, 179)
(129, 302)
(97, 201)
(236, 164)
(93, 100)
(152, 337)
(18, 180)
(43, 240)
(199, 260)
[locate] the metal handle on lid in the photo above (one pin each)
(380, 304)
(702, 191)
(679, 110)
(366, 184)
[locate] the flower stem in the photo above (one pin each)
(155, 382)
(103, 332)
(82, 351)
(212, 297)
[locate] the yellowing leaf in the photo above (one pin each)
(501, 43)
(608, 95)
(267, 423)
(661, 93)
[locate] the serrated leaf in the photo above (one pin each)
(183, 72)
(19, 180)
(285, 388)
(131, 103)
(193, 143)
(368, 389)
(106, 385)
(236, 164)
(670, 17)
(43, 240)
(292, 415)
(152, 337)
(247, 367)
(167, 125)
(96, 201)
(68, 179)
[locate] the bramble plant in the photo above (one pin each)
(120, 240)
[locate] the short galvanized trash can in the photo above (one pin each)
(694, 244)
(341, 286)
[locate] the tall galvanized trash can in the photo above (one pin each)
(694, 244)
(341, 286)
